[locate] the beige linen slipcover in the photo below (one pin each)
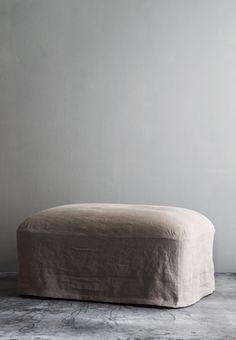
(141, 254)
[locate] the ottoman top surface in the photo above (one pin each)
(119, 220)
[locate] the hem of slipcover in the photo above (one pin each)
(137, 301)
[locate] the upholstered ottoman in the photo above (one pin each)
(141, 254)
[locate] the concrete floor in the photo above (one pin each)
(214, 317)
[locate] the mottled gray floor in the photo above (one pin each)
(214, 317)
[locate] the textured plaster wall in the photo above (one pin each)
(129, 101)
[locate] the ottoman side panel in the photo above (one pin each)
(141, 271)
(196, 269)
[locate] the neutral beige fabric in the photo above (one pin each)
(141, 254)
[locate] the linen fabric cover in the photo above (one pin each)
(138, 254)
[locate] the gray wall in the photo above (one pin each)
(118, 101)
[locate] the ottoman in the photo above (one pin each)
(138, 254)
